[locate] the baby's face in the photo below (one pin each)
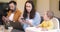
(45, 17)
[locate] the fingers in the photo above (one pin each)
(3, 18)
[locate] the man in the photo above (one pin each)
(14, 14)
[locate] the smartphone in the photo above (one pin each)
(22, 18)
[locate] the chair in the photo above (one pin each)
(56, 23)
(41, 19)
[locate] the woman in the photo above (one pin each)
(32, 18)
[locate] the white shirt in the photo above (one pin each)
(11, 17)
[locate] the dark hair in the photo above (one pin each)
(12, 2)
(50, 14)
(32, 13)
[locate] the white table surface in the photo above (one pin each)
(33, 29)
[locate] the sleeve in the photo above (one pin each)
(36, 20)
(41, 25)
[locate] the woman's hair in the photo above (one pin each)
(50, 14)
(32, 13)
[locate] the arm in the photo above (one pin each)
(41, 25)
(36, 20)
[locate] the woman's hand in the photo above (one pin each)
(29, 22)
(23, 21)
(44, 29)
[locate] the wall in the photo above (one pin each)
(20, 4)
(4, 0)
(54, 6)
(42, 6)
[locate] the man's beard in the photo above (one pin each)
(13, 10)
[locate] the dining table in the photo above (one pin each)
(34, 29)
(3, 29)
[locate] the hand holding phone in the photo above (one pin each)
(22, 20)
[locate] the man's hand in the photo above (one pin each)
(5, 18)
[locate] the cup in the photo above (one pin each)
(1, 28)
(10, 29)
